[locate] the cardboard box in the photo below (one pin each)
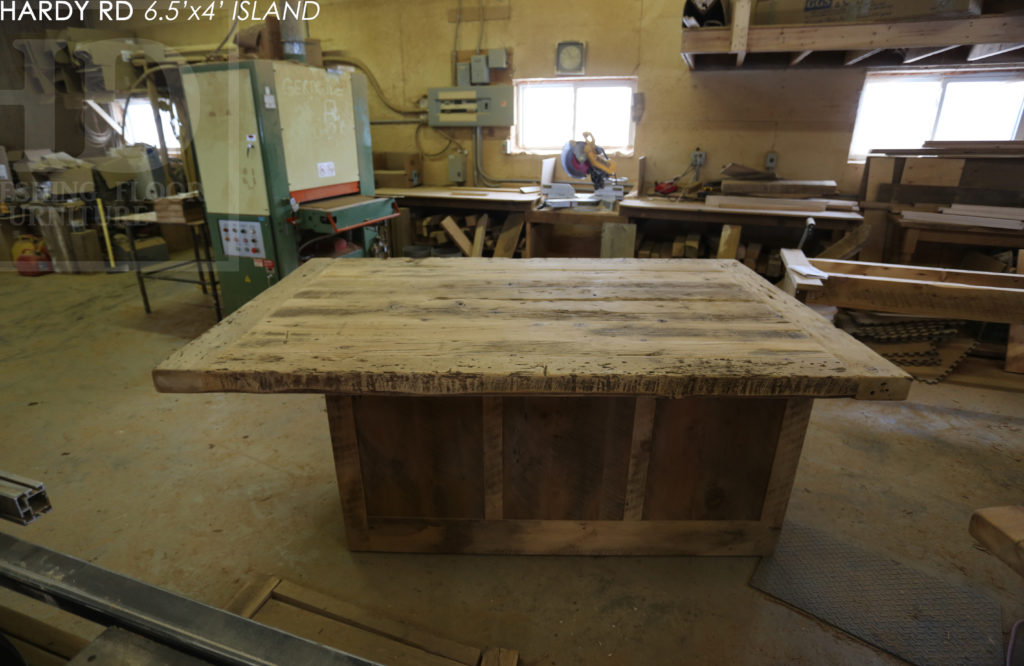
(782, 12)
(71, 182)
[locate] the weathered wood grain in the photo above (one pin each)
(554, 455)
(1001, 530)
(792, 431)
(662, 328)
(508, 238)
(454, 231)
(421, 456)
(493, 443)
(1015, 342)
(479, 236)
(341, 419)
(568, 537)
(639, 458)
(711, 458)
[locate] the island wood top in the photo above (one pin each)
(461, 326)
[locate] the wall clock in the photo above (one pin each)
(570, 58)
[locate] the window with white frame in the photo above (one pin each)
(905, 109)
(550, 112)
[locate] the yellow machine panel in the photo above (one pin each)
(317, 126)
(226, 134)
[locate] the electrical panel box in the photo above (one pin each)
(475, 106)
(242, 239)
(457, 168)
(479, 72)
(462, 75)
(497, 59)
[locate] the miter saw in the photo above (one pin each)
(583, 159)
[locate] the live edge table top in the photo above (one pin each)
(663, 328)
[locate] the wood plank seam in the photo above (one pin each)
(494, 482)
(787, 457)
(344, 443)
(373, 621)
(1015, 343)
(639, 458)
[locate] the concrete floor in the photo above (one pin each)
(201, 493)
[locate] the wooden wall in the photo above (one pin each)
(805, 115)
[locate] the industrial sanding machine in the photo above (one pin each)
(286, 167)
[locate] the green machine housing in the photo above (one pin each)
(285, 162)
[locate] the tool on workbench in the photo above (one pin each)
(583, 159)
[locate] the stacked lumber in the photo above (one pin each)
(781, 188)
(986, 217)
(472, 234)
(782, 204)
(179, 208)
(693, 245)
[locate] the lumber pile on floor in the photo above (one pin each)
(469, 236)
(358, 629)
(694, 245)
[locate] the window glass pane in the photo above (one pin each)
(895, 113)
(980, 111)
(605, 112)
(140, 127)
(545, 115)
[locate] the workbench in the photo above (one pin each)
(460, 198)
(795, 221)
(546, 406)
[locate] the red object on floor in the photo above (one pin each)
(34, 264)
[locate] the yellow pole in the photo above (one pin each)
(106, 232)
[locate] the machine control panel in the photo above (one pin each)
(242, 239)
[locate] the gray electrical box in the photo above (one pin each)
(497, 59)
(479, 72)
(462, 78)
(457, 168)
(473, 106)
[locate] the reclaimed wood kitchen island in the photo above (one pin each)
(546, 406)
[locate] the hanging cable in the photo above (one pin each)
(451, 141)
(458, 22)
(478, 165)
(358, 64)
(224, 41)
(480, 34)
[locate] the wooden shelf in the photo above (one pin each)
(857, 42)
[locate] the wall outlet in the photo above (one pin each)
(698, 158)
(771, 160)
(506, 146)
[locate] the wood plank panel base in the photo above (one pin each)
(543, 475)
